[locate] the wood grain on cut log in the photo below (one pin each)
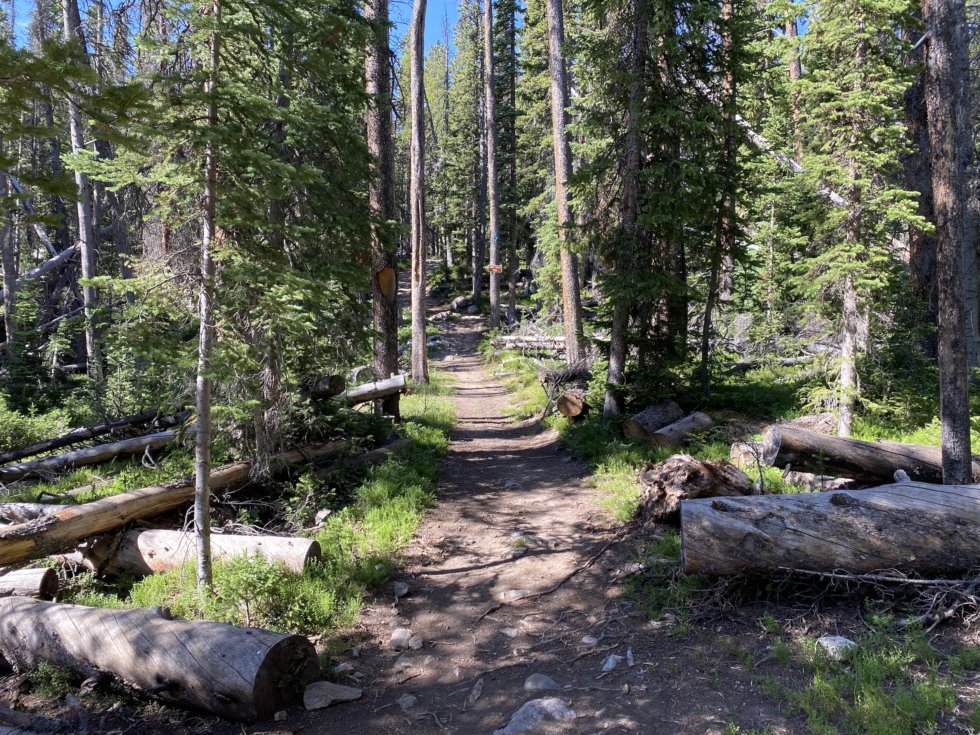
(242, 674)
(911, 526)
(156, 550)
(572, 405)
(371, 391)
(675, 434)
(40, 583)
(868, 461)
(647, 421)
(683, 477)
(63, 530)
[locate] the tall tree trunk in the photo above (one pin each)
(490, 130)
(571, 294)
(948, 105)
(420, 366)
(795, 72)
(211, 237)
(86, 233)
(847, 382)
(480, 242)
(381, 197)
(9, 263)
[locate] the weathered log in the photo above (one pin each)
(647, 421)
(911, 526)
(47, 266)
(571, 404)
(142, 552)
(91, 455)
(371, 391)
(743, 366)
(91, 432)
(243, 674)
(328, 386)
(24, 512)
(867, 461)
(363, 460)
(683, 477)
(41, 583)
(63, 530)
(522, 341)
(820, 482)
(675, 434)
(746, 454)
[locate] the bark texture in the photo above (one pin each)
(420, 365)
(676, 433)
(490, 131)
(683, 477)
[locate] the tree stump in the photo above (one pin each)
(571, 404)
(682, 477)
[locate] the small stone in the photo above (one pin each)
(280, 716)
(321, 516)
(400, 639)
(511, 485)
(321, 694)
(540, 682)
(344, 668)
(837, 647)
(407, 701)
(533, 713)
(401, 589)
(517, 552)
(630, 662)
(416, 643)
(516, 594)
(403, 663)
(355, 652)
(509, 632)
(589, 640)
(611, 662)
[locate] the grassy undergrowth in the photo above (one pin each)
(360, 543)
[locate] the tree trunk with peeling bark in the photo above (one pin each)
(420, 364)
(490, 131)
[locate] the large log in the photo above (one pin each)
(572, 405)
(647, 421)
(63, 530)
(243, 674)
(156, 550)
(91, 455)
(24, 512)
(911, 526)
(372, 391)
(41, 583)
(867, 461)
(529, 342)
(683, 477)
(91, 432)
(47, 266)
(675, 434)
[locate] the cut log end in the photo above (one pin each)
(572, 404)
(677, 433)
(40, 583)
(283, 675)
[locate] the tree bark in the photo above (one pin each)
(910, 526)
(40, 583)
(420, 364)
(847, 381)
(490, 130)
(868, 461)
(46, 267)
(371, 391)
(948, 105)
(9, 263)
(242, 674)
(675, 434)
(795, 72)
(381, 199)
(683, 477)
(647, 421)
(570, 289)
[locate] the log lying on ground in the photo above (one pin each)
(522, 342)
(647, 421)
(910, 526)
(241, 674)
(151, 416)
(571, 404)
(23, 723)
(364, 460)
(24, 512)
(868, 461)
(64, 530)
(743, 366)
(92, 455)
(819, 482)
(40, 583)
(675, 434)
(328, 386)
(682, 477)
(372, 391)
(156, 550)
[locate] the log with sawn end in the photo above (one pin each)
(41, 583)
(647, 421)
(675, 434)
(372, 391)
(572, 404)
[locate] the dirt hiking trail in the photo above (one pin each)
(512, 575)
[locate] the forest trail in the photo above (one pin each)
(507, 575)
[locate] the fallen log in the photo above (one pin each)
(142, 552)
(911, 526)
(91, 455)
(150, 416)
(41, 583)
(243, 674)
(24, 512)
(743, 366)
(520, 341)
(64, 529)
(329, 386)
(364, 460)
(47, 266)
(372, 391)
(866, 461)
(683, 477)
(647, 421)
(572, 405)
(22, 723)
(675, 434)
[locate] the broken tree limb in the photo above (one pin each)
(41, 583)
(647, 421)
(572, 405)
(142, 552)
(675, 434)
(92, 455)
(25, 202)
(65, 529)
(371, 391)
(243, 674)
(910, 526)
(867, 461)
(366, 459)
(683, 477)
(47, 266)
(91, 432)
